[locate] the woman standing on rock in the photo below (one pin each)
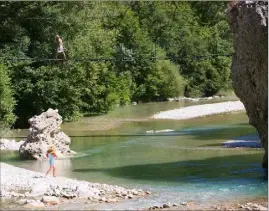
(51, 154)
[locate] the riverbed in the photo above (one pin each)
(184, 163)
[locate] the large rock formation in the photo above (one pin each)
(45, 131)
(249, 23)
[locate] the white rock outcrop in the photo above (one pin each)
(44, 131)
(249, 69)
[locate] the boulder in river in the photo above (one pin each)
(45, 131)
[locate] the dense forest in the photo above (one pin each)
(159, 50)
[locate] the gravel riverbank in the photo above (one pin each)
(201, 110)
(34, 189)
(12, 145)
(260, 203)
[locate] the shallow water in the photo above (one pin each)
(185, 164)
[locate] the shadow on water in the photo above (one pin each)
(212, 169)
(199, 133)
(221, 133)
(211, 145)
(9, 156)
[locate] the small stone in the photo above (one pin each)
(110, 200)
(57, 192)
(166, 205)
(96, 197)
(22, 201)
(262, 208)
(124, 193)
(50, 200)
(21, 195)
(147, 192)
(175, 205)
(14, 194)
(135, 192)
(34, 204)
(130, 196)
(183, 203)
(39, 189)
(67, 195)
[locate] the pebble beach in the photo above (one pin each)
(201, 110)
(35, 189)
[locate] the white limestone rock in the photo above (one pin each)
(44, 131)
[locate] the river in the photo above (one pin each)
(184, 164)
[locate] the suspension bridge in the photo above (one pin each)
(124, 57)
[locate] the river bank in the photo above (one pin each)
(34, 189)
(197, 111)
(259, 203)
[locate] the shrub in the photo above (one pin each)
(7, 101)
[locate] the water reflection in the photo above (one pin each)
(63, 166)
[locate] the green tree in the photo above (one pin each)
(7, 101)
(189, 35)
(38, 89)
(164, 82)
(134, 33)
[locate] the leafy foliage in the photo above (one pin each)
(7, 101)
(133, 32)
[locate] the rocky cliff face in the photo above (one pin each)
(45, 131)
(249, 23)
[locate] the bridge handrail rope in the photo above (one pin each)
(194, 57)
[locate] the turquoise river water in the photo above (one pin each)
(186, 164)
